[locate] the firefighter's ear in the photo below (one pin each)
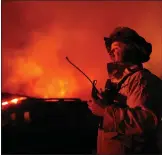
(131, 53)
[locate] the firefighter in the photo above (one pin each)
(130, 121)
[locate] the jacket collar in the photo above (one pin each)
(117, 71)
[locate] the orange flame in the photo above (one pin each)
(13, 101)
(4, 103)
(39, 74)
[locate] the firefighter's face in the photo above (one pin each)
(117, 51)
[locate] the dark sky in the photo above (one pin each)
(37, 36)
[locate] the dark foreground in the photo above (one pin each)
(55, 127)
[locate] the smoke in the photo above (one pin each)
(38, 35)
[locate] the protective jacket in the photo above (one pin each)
(130, 124)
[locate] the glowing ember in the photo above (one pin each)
(4, 103)
(13, 101)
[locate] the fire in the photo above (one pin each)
(13, 101)
(4, 103)
(56, 88)
(40, 72)
(63, 88)
(62, 93)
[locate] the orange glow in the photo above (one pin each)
(4, 103)
(38, 38)
(39, 74)
(13, 101)
(13, 116)
(27, 116)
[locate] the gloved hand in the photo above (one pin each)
(96, 107)
(94, 92)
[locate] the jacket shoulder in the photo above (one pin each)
(145, 76)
